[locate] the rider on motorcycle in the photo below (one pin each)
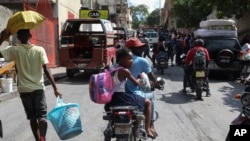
(140, 65)
(120, 97)
(198, 44)
(161, 49)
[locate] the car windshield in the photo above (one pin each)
(152, 35)
(215, 44)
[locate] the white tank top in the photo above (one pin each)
(117, 82)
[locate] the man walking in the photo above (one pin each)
(30, 60)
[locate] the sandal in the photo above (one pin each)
(151, 136)
(154, 132)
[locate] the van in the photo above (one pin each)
(152, 38)
(86, 44)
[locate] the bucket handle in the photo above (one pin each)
(59, 102)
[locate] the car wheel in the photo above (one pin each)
(225, 58)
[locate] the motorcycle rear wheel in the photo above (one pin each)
(1, 129)
(228, 137)
(198, 93)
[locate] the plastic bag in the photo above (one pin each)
(144, 83)
(65, 119)
(24, 20)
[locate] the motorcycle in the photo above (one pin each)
(196, 79)
(244, 117)
(199, 80)
(126, 123)
(162, 62)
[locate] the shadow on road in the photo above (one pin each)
(177, 98)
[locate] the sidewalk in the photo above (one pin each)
(58, 73)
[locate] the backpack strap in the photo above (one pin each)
(115, 69)
(118, 85)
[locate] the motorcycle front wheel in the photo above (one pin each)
(228, 137)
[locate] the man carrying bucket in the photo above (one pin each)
(30, 60)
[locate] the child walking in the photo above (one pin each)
(120, 98)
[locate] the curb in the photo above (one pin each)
(6, 96)
(15, 93)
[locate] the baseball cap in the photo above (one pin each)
(134, 42)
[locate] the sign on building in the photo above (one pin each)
(85, 13)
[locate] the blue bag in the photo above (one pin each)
(65, 119)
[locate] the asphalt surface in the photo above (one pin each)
(181, 117)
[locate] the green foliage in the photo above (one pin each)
(190, 12)
(231, 8)
(139, 14)
(154, 18)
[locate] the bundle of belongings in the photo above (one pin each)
(217, 28)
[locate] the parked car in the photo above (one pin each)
(225, 54)
(86, 44)
(152, 38)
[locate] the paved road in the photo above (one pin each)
(181, 118)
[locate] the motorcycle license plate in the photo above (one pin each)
(239, 120)
(200, 74)
(122, 129)
(162, 63)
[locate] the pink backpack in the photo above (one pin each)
(101, 86)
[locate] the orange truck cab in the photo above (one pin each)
(86, 44)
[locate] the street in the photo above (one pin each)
(181, 117)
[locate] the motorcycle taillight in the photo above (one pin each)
(122, 117)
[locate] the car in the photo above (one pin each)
(221, 40)
(152, 38)
(225, 54)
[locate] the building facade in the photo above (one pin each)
(168, 21)
(119, 13)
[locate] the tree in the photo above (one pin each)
(231, 8)
(139, 14)
(153, 18)
(190, 12)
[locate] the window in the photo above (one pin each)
(89, 27)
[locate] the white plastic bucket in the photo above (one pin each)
(6, 85)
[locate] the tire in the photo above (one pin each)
(228, 137)
(198, 93)
(225, 58)
(1, 129)
(71, 72)
(162, 70)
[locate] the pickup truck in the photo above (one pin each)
(86, 44)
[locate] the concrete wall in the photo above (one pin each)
(5, 13)
(64, 7)
(243, 25)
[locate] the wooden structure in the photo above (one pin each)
(9, 68)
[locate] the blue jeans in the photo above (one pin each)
(151, 97)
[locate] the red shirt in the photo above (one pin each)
(191, 53)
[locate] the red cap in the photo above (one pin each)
(134, 42)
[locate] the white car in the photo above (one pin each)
(152, 38)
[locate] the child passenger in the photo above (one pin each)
(120, 98)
